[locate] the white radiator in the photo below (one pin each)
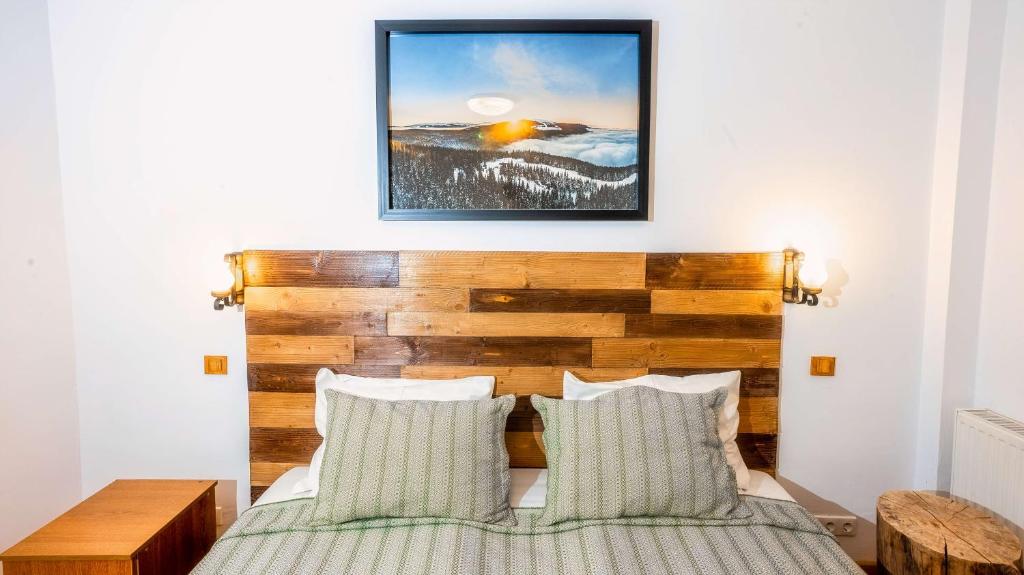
(988, 462)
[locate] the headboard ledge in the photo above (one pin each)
(524, 317)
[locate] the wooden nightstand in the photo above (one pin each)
(920, 532)
(130, 527)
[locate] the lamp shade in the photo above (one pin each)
(225, 281)
(813, 274)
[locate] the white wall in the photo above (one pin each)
(999, 383)
(974, 176)
(942, 208)
(38, 406)
(192, 129)
(961, 240)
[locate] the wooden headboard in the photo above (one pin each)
(523, 317)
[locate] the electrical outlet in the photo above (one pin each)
(839, 525)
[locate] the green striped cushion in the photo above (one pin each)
(414, 459)
(636, 452)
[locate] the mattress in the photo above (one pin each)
(528, 489)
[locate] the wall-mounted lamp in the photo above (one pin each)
(234, 282)
(802, 281)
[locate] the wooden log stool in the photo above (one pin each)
(923, 533)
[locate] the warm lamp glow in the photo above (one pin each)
(813, 274)
(490, 104)
(231, 283)
(226, 281)
(802, 278)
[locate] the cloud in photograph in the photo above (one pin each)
(615, 148)
(526, 73)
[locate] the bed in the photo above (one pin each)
(524, 318)
(780, 537)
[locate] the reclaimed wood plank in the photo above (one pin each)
(299, 348)
(546, 380)
(759, 415)
(711, 301)
(523, 380)
(524, 416)
(263, 473)
(273, 409)
(266, 268)
(707, 326)
(296, 447)
(560, 300)
(560, 270)
(282, 444)
(753, 271)
(355, 300)
(301, 378)
(315, 323)
(256, 491)
(293, 410)
(511, 351)
(525, 449)
(685, 352)
(754, 381)
(500, 324)
(759, 451)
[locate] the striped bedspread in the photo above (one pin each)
(774, 537)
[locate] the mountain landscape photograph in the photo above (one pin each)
(513, 121)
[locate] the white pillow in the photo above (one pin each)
(728, 418)
(466, 388)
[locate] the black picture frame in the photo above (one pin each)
(383, 29)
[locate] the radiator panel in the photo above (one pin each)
(988, 462)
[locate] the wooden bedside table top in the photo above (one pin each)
(114, 523)
(923, 532)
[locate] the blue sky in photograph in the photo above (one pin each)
(591, 78)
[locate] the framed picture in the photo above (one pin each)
(513, 119)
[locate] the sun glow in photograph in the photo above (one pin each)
(514, 121)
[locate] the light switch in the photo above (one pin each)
(215, 364)
(824, 366)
